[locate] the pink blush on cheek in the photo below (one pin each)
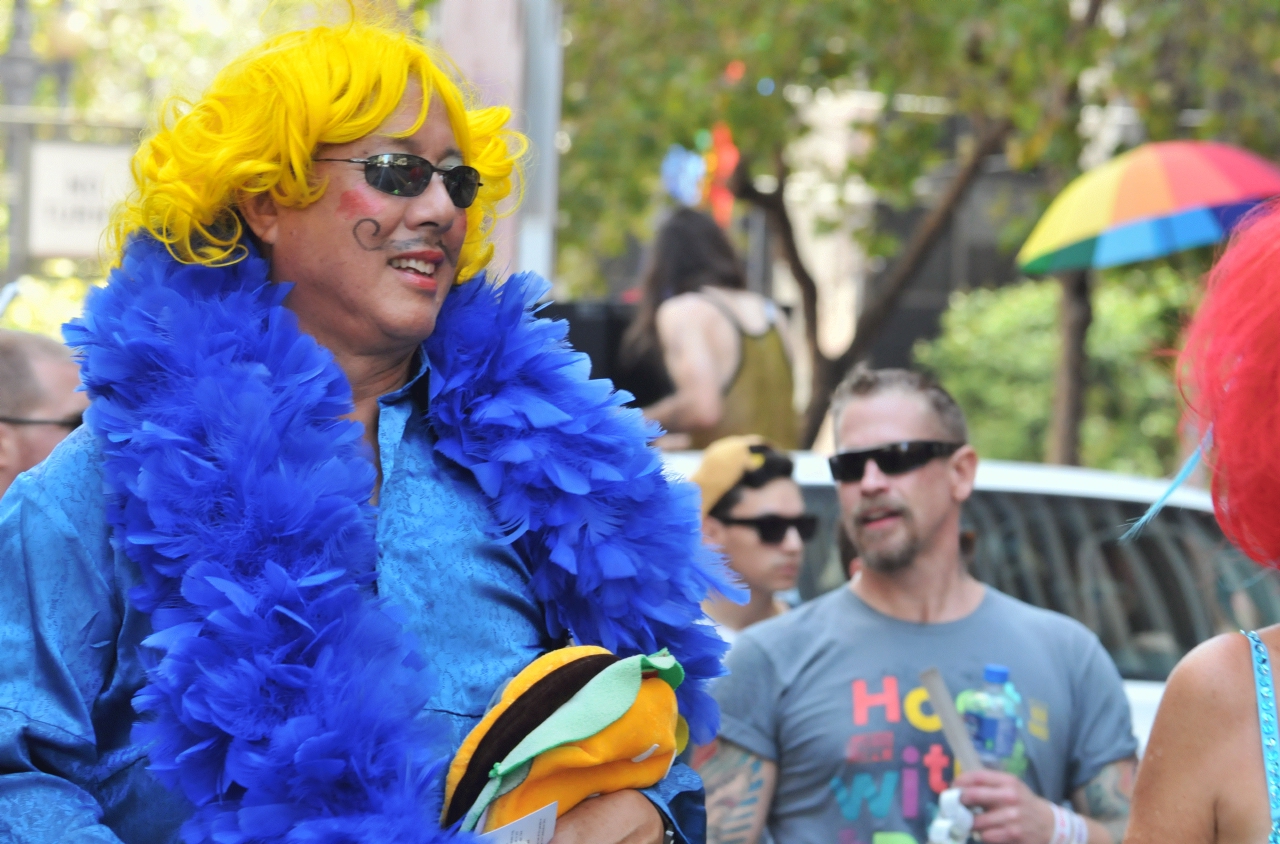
(353, 203)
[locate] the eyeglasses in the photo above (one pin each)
(70, 423)
(400, 174)
(892, 459)
(773, 529)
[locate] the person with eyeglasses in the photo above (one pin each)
(826, 731)
(753, 512)
(336, 486)
(40, 402)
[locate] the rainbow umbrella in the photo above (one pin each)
(1154, 200)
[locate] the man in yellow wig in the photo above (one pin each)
(334, 489)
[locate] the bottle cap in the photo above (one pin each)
(993, 673)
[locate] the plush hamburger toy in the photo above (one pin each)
(577, 722)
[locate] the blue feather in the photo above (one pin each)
(614, 546)
(238, 491)
(1178, 480)
(279, 700)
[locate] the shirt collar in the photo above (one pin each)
(416, 387)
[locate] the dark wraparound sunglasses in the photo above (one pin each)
(773, 529)
(892, 459)
(400, 174)
(70, 423)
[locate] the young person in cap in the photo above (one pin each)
(753, 512)
(826, 732)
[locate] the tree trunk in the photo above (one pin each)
(780, 226)
(913, 255)
(827, 372)
(1075, 315)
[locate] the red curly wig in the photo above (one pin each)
(1230, 373)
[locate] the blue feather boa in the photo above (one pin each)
(282, 699)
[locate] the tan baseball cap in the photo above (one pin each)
(724, 462)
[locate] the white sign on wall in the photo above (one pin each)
(73, 187)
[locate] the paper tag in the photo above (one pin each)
(536, 828)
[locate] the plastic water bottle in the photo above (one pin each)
(992, 717)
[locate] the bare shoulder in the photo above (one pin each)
(685, 306)
(1208, 714)
(1203, 745)
(693, 323)
(1215, 680)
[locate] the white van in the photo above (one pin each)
(1049, 536)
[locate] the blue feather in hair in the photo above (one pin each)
(1185, 472)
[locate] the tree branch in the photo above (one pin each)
(773, 204)
(926, 234)
(992, 135)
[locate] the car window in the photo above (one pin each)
(1149, 601)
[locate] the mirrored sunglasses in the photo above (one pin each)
(400, 174)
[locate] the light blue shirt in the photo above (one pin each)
(69, 661)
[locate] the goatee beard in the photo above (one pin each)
(892, 559)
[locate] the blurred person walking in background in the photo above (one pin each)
(1211, 771)
(754, 512)
(706, 357)
(825, 734)
(39, 401)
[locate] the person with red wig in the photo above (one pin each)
(1211, 772)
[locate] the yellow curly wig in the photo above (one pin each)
(257, 127)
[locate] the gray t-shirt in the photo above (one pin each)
(830, 692)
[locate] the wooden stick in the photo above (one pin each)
(952, 725)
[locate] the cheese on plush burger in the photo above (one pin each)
(577, 722)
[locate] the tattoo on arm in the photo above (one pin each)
(1105, 798)
(739, 788)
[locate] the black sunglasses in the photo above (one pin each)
(773, 529)
(892, 459)
(70, 423)
(401, 174)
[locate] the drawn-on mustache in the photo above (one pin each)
(366, 233)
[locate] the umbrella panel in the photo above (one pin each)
(1144, 240)
(1112, 214)
(1147, 239)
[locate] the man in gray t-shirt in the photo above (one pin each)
(827, 736)
(830, 693)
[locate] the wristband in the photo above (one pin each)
(1081, 831)
(1068, 827)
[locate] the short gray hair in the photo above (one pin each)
(864, 382)
(19, 389)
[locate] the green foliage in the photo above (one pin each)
(1202, 68)
(996, 355)
(643, 74)
(998, 351)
